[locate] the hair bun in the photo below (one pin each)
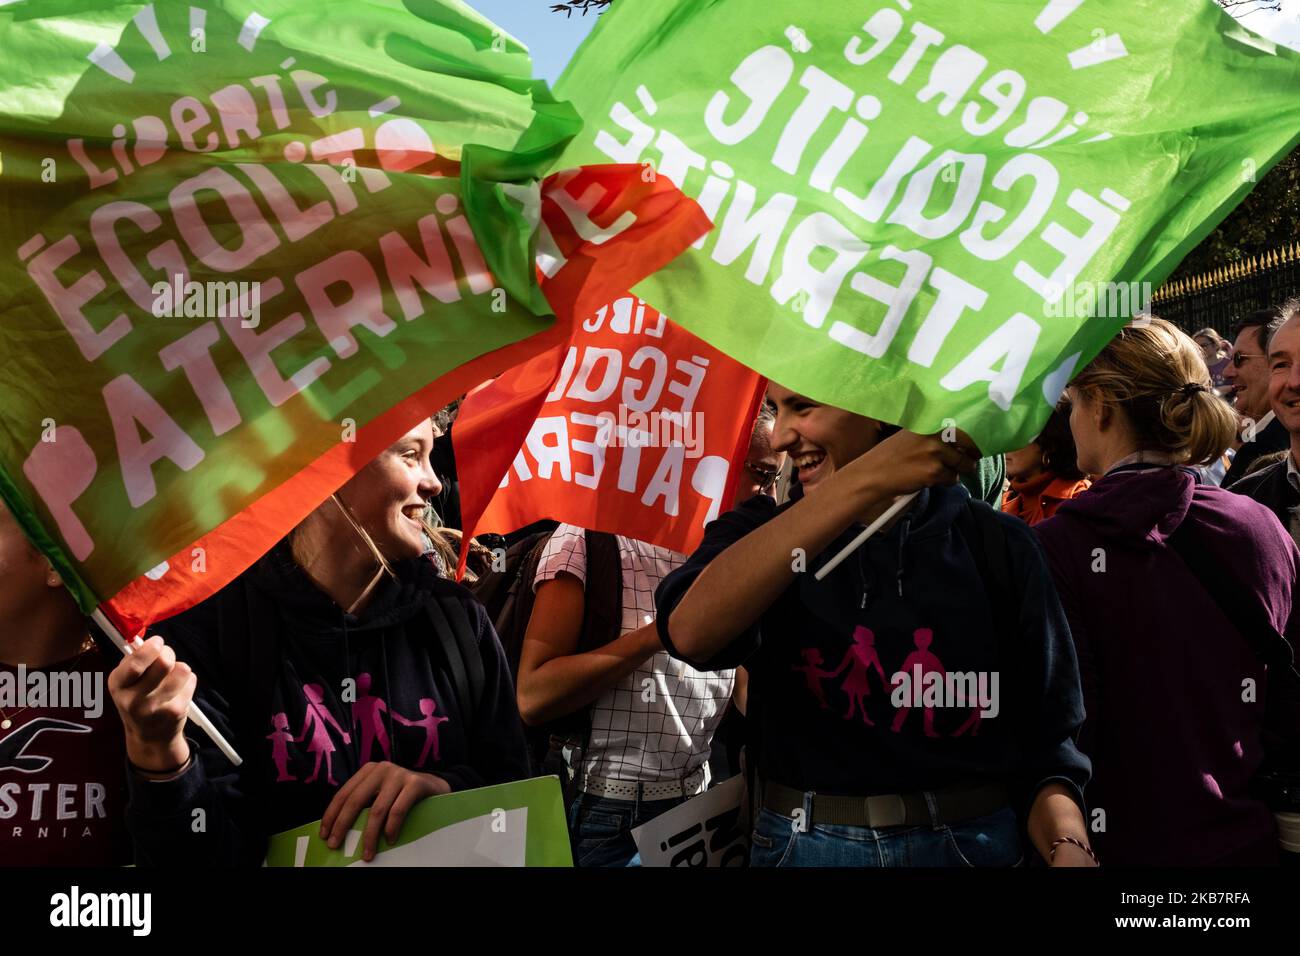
(1191, 388)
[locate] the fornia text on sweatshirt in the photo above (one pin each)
(308, 694)
(834, 664)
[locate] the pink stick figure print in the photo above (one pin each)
(280, 738)
(919, 663)
(430, 724)
(315, 720)
(814, 675)
(368, 712)
(972, 723)
(862, 656)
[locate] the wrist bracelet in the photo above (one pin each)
(1073, 842)
(171, 772)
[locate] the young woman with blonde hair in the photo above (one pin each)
(345, 669)
(1178, 595)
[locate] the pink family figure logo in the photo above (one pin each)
(859, 659)
(814, 675)
(280, 737)
(368, 713)
(919, 663)
(318, 720)
(429, 722)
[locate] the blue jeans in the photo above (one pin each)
(600, 828)
(993, 840)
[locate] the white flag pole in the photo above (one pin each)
(196, 716)
(898, 505)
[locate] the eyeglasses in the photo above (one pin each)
(766, 476)
(1239, 358)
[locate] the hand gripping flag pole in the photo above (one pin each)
(196, 716)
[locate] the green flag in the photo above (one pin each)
(930, 212)
(246, 244)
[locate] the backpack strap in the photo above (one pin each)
(460, 650)
(602, 622)
(602, 609)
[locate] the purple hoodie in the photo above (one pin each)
(1173, 744)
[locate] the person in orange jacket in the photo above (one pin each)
(1044, 474)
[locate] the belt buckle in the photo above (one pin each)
(886, 810)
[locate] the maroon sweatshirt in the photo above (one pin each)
(1171, 728)
(62, 769)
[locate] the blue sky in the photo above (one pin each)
(1281, 26)
(550, 37)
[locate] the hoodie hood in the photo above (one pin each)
(1136, 506)
(305, 608)
(884, 563)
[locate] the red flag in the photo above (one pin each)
(634, 426)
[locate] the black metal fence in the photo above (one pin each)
(1220, 298)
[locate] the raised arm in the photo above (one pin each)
(740, 583)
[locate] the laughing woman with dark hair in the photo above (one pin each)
(852, 766)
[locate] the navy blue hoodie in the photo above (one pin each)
(913, 595)
(271, 633)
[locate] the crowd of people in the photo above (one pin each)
(1078, 653)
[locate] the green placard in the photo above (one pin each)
(511, 824)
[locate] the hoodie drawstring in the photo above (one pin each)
(902, 542)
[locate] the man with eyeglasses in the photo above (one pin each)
(762, 464)
(1248, 374)
(1278, 485)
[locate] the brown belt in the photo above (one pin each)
(889, 810)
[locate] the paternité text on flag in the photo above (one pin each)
(247, 244)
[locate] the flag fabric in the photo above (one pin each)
(633, 426)
(600, 225)
(928, 212)
(248, 244)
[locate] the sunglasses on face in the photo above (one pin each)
(1239, 358)
(765, 476)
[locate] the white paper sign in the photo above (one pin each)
(706, 830)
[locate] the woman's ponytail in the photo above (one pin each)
(1157, 376)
